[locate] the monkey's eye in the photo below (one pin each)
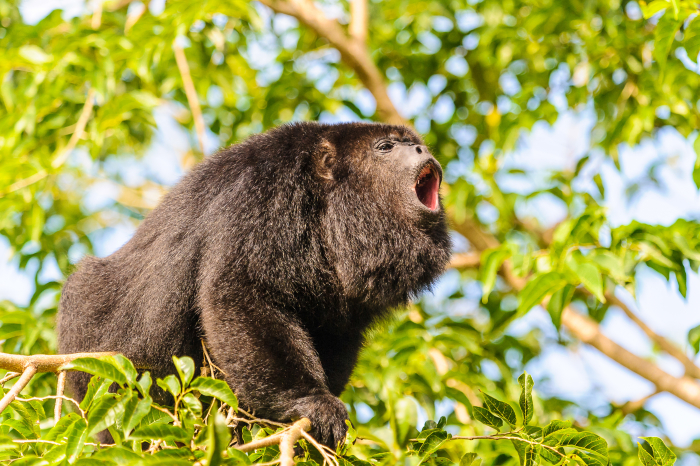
(385, 146)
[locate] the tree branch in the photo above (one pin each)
(465, 260)
(30, 365)
(285, 439)
(60, 387)
(353, 52)
(24, 379)
(588, 331)
(359, 20)
(191, 93)
(43, 362)
(690, 368)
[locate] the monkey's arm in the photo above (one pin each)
(270, 362)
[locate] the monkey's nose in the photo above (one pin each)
(419, 149)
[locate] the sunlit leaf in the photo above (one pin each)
(215, 388)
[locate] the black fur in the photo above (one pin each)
(279, 252)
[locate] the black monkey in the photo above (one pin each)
(279, 252)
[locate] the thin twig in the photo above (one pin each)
(635, 405)
(60, 387)
(167, 411)
(28, 181)
(191, 93)
(54, 397)
(24, 379)
(132, 19)
(9, 376)
(322, 449)
(211, 364)
(79, 128)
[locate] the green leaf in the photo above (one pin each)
(185, 368)
(30, 461)
(118, 455)
(491, 260)
(527, 452)
(104, 413)
(588, 273)
(215, 388)
(558, 302)
(611, 263)
(34, 54)
(99, 367)
(22, 427)
(93, 462)
(170, 384)
(649, 10)
(694, 338)
(405, 416)
(591, 448)
(161, 431)
(539, 287)
(144, 383)
(28, 415)
(485, 417)
(59, 431)
(500, 409)
(468, 459)
(654, 452)
(135, 410)
(663, 38)
(555, 426)
(696, 144)
(96, 388)
(76, 439)
(192, 403)
(218, 438)
(433, 443)
(126, 367)
(526, 405)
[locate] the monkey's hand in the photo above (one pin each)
(327, 415)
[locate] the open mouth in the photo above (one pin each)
(427, 186)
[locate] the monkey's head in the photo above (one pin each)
(385, 225)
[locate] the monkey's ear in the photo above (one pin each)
(324, 160)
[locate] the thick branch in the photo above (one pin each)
(465, 260)
(352, 52)
(27, 375)
(690, 368)
(359, 20)
(588, 331)
(42, 362)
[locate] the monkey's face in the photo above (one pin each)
(416, 173)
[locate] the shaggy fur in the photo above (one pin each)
(279, 252)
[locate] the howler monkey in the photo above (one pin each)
(278, 252)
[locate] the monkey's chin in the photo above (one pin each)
(427, 187)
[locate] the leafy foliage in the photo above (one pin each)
(473, 77)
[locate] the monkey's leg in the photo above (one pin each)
(272, 366)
